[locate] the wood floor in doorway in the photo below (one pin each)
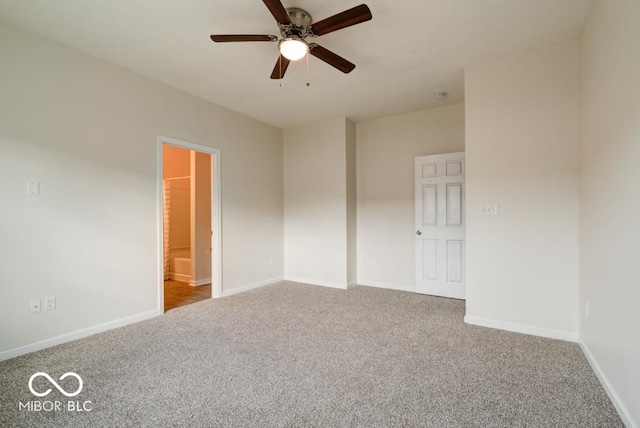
(178, 294)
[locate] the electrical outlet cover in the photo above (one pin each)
(49, 303)
(489, 209)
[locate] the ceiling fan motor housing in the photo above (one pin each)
(300, 20)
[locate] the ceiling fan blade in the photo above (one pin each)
(278, 11)
(330, 58)
(344, 19)
(280, 68)
(243, 38)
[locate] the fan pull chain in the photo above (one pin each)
(280, 62)
(307, 68)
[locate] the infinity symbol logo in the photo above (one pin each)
(54, 383)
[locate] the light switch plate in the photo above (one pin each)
(33, 188)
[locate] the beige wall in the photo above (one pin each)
(201, 218)
(176, 162)
(87, 130)
(385, 157)
(610, 201)
(352, 203)
(522, 130)
(315, 188)
(180, 218)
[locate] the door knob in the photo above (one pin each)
(418, 232)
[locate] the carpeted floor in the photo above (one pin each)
(292, 355)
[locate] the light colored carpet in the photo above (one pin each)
(292, 355)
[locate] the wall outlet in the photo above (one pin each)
(49, 303)
(34, 306)
(270, 260)
(33, 188)
(489, 209)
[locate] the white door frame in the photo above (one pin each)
(216, 213)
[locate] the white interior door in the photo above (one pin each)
(440, 218)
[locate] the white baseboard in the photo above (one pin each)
(611, 392)
(521, 328)
(388, 286)
(200, 282)
(179, 277)
(310, 281)
(78, 334)
(243, 288)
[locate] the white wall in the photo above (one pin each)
(386, 149)
(87, 131)
(610, 200)
(315, 189)
(522, 130)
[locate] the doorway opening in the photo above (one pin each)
(189, 223)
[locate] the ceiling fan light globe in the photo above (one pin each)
(293, 48)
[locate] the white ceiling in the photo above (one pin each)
(410, 50)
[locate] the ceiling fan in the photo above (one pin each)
(295, 26)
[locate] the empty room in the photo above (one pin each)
(287, 213)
